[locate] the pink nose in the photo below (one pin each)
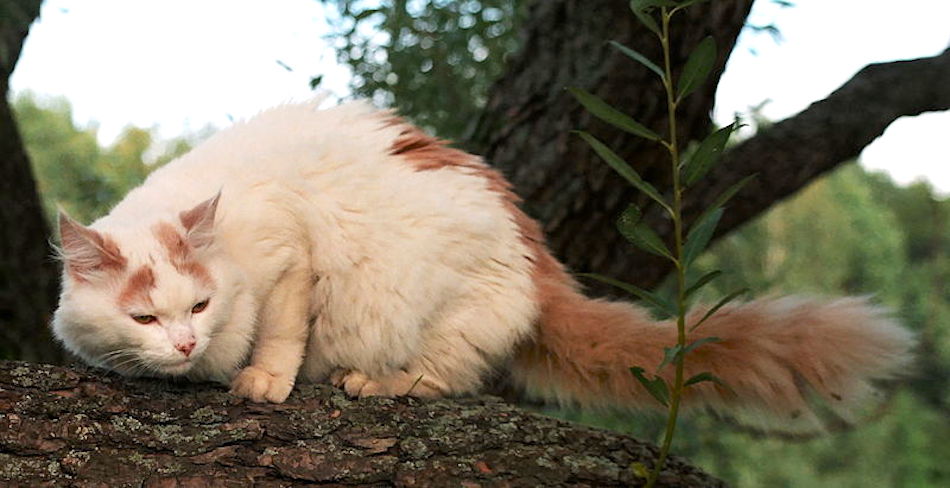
(185, 347)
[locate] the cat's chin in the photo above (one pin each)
(179, 368)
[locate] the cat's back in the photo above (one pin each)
(369, 171)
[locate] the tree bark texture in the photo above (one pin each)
(85, 428)
(525, 130)
(28, 275)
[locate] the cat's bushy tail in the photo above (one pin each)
(793, 364)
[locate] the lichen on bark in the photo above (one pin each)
(84, 427)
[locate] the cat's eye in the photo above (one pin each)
(145, 319)
(200, 306)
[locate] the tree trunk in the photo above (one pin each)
(28, 275)
(525, 130)
(79, 427)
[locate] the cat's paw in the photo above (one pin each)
(401, 383)
(258, 385)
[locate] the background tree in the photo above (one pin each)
(851, 233)
(524, 128)
(432, 60)
(28, 277)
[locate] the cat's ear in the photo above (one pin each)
(199, 222)
(85, 252)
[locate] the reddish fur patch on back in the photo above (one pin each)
(427, 153)
(138, 287)
(180, 253)
(559, 342)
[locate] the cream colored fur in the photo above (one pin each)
(330, 255)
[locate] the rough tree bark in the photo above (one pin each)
(525, 128)
(28, 276)
(84, 428)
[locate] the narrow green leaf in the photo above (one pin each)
(702, 281)
(639, 58)
(699, 378)
(661, 303)
(700, 235)
(725, 196)
(699, 342)
(639, 233)
(642, 236)
(669, 355)
(605, 112)
(657, 387)
(640, 11)
(709, 313)
(621, 166)
(697, 68)
(707, 154)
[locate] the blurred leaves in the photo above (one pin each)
(432, 60)
(73, 170)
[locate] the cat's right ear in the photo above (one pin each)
(199, 222)
(85, 252)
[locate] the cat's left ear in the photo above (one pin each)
(85, 252)
(199, 222)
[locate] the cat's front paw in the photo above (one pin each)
(259, 385)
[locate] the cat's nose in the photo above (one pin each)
(185, 347)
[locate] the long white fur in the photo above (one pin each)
(398, 258)
(334, 256)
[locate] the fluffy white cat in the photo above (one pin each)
(346, 245)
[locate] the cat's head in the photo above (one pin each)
(141, 298)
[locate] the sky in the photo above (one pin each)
(180, 65)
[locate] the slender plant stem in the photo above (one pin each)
(677, 390)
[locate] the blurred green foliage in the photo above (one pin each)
(431, 60)
(851, 232)
(73, 170)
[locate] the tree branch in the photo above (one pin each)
(793, 152)
(525, 130)
(82, 427)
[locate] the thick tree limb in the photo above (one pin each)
(80, 427)
(793, 152)
(525, 130)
